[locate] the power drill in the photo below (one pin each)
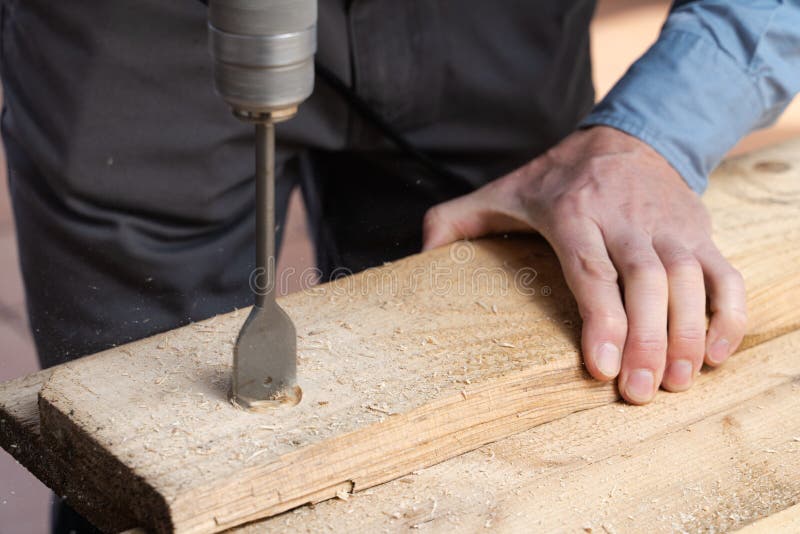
(263, 58)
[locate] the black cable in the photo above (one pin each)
(367, 112)
(458, 182)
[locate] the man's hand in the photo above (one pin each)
(635, 246)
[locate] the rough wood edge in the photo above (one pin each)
(20, 435)
(442, 428)
(58, 432)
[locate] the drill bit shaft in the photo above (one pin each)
(265, 210)
(265, 354)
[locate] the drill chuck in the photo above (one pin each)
(263, 54)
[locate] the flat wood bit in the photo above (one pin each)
(265, 354)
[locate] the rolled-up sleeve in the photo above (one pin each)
(720, 69)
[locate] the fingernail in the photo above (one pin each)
(679, 374)
(719, 351)
(639, 387)
(608, 359)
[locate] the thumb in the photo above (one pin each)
(477, 214)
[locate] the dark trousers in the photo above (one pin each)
(132, 185)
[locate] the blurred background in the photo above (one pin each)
(621, 32)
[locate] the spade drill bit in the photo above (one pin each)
(265, 355)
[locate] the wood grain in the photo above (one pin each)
(454, 365)
(392, 383)
(711, 460)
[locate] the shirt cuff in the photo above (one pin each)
(686, 98)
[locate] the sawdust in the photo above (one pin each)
(353, 374)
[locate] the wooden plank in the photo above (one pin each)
(712, 460)
(392, 383)
(785, 522)
(456, 374)
(738, 203)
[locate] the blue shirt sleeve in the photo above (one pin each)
(720, 69)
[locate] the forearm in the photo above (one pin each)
(720, 69)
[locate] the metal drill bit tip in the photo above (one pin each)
(265, 354)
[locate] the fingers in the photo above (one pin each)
(662, 326)
(686, 322)
(727, 303)
(646, 296)
(593, 281)
(650, 334)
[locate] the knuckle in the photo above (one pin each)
(682, 264)
(643, 266)
(688, 335)
(597, 268)
(737, 318)
(600, 167)
(577, 201)
(734, 280)
(606, 320)
(647, 342)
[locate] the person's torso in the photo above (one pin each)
(112, 98)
